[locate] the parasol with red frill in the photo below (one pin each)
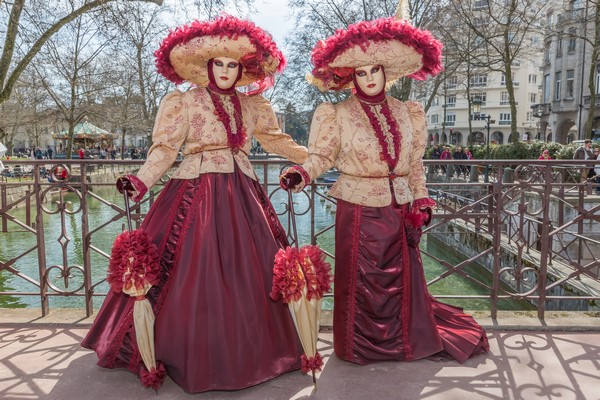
(133, 269)
(301, 277)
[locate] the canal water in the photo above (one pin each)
(18, 241)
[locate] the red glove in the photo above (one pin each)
(124, 184)
(132, 185)
(290, 179)
(426, 214)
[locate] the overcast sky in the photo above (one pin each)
(271, 15)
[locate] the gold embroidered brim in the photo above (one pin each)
(190, 59)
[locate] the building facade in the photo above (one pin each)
(451, 117)
(448, 117)
(565, 105)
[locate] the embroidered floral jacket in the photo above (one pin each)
(341, 136)
(188, 120)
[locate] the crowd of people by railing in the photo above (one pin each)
(444, 153)
(588, 150)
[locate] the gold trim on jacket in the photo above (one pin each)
(341, 136)
(187, 121)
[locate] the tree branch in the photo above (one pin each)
(34, 50)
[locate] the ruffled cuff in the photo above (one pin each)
(305, 177)
(425, 202)
(139, 186)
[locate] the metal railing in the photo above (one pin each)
(533, 225)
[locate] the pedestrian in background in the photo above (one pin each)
(436, 152)
(545, 155)
(584, 152)
(445, 156)
(459, 155)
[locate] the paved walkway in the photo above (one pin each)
(40, 358)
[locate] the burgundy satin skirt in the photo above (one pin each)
(216, 327)
(382, 307)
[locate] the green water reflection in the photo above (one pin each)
(18, 240)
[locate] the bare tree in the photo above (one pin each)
(137, 30)
(461, 59)
(10, 118)
(40, 24)
(212, 8)
(503, 29)
(26, 114)
(68, 71)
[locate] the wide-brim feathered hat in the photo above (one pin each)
(185, 52)
(399, 47)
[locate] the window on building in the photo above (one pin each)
(572, 40)
(550, 20)
(503, 80)
(479, 80)
(532, 98)
(532, 79)
(529, 116)
(570, 83)
(478, 117)
(546, 88)
(547, 53)
(559, 40)
(434, 118)
(452, 82)
(504, 98)
(451, 100)
(450, 119)
(504, 119)
(557, 85)
(436, 101)
(482, 96)
(478, 4)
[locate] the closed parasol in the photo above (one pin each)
(134, 268)
(300, 278)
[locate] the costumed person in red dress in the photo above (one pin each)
(382, 307)
(216, 327)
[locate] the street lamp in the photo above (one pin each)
(476, 106)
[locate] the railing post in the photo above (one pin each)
(28, 206)
(495, 224)
(449, 171)
(581, 203)
(546, 243)
(474, 174)
(41, 240)
(86, 242)
(4, 198)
